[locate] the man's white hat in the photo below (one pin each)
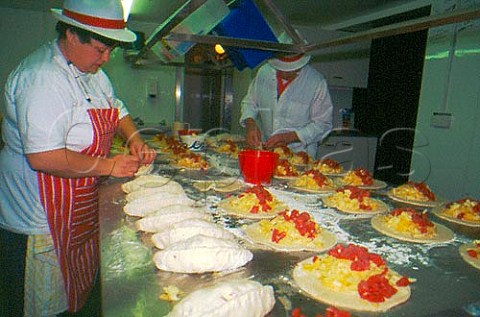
(103, 17)
(290, 62)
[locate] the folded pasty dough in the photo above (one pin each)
(143, 207)
(163, 220)
(239, 298)
(169, 188)
(145, 181)
(201, 254)
(185, 229)
(145, 170)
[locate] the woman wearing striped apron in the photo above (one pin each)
(60, 118)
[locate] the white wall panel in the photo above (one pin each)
(448, 158)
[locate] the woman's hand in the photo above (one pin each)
(124, 166)
(131, 135)
(143, 152)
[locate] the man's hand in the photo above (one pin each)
(281, 139)
(253, 134)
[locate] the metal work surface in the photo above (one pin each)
(445, 284)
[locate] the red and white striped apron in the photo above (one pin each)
(71, 205)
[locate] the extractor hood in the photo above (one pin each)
(171, 31)
(238, 26)
(201, 21)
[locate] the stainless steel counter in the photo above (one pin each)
(445, 286)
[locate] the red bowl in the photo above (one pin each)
(190, 132)
(257, 166)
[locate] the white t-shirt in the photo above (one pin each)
(46, 109)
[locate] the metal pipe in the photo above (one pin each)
(283, 22)
(235, 42)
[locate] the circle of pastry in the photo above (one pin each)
(228, 147)
(350, 277)
(162, 141)
(464, 211)
(470, 252)
(231, 298)
(175, 147)
(284, 152)
(313, 181)
(220, 185)
(300, 158)
(355, 200)
(358, 177)
(192, 161)
(414, 193)
(327, 167)
(410, 225)
(254, 203)
(285, 169)
(291, 231)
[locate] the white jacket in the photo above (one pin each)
(304, 107)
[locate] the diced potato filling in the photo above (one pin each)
(463, 210)
(337, 275)
(343, 201)
(403, 223)
(409, 192)
(352, 179)
(292, 236)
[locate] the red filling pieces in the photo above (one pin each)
(423, 188)
(318, 177)
(376, 288)
(263, 197)
(364, 175)
(419, 219)
(357, 193)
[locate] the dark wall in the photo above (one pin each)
(388, 108)
(202, 99)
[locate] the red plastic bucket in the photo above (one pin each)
(257, 166)
(190, 132)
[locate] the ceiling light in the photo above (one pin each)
(127, 5)
(219, 49)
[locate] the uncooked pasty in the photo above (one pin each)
(201, 254)
(144, 170)
(169, 188)
(168, 217)
(143, 207)
(145, 181)
(185, 229)
(239, 298)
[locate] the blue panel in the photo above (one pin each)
(245, 21)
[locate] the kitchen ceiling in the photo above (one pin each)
(328, 14)
(344, 24)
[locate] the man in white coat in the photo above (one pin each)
(287, 103)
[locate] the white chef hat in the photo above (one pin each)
(103, 17)
(289, 63)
